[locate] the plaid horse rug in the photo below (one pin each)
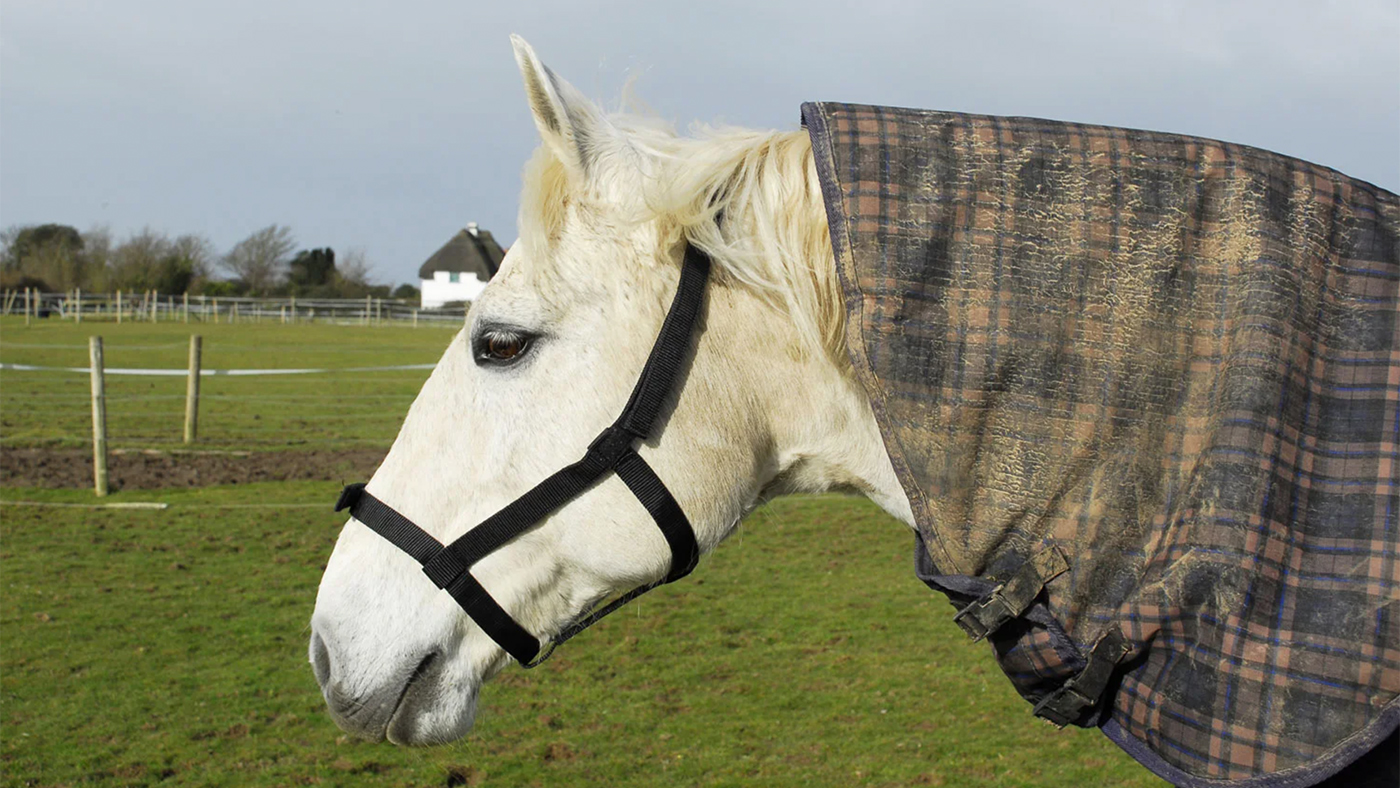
(1141, 390)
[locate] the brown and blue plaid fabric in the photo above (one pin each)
(1178, 361)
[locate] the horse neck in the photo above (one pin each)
(827, 439)
(825, 435)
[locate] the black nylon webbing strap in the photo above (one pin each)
(464, 588)
(1082, 693)
(643, 482)
(664, 364)
(390, 524)
(508, 523)
(493, 619)
(450, 567)
(1012, 597)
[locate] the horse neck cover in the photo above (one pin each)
(1144, 387)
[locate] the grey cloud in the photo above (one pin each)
(389, 126)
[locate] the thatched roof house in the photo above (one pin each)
(461, 268)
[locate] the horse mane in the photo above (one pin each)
(749, 198)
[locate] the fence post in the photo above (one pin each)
(233, 313)
(77, 305)
(216, 311)
(294, 310)
(367, 304)
(415, 318)
(185, 305)
(192, 390)
(283, 310)
(26, 306)
(99, 418)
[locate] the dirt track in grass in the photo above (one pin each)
(132, 470)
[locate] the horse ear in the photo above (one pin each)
(570, 124)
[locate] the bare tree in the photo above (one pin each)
(354, 267)
(261, 259)
(198, 250)
(97, 252)
(136, 261)
(9, 251)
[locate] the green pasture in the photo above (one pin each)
(341, 409)
(146, 647)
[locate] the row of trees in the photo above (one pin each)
(55, 257)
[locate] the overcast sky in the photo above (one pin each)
(389, 126)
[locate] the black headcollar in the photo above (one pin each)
(450, 567)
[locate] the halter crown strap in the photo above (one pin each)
(449, 567)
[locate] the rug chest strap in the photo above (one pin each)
(1067, 704)
(1014, 596)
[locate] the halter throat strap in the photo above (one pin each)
(612, 451)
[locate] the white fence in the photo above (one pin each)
(154, 307)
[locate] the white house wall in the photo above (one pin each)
(439, 290)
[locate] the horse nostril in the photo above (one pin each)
(422, 670)
(320, 660)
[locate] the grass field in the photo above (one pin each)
(51, 409)
(145, 646)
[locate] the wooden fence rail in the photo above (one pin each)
(150, 306)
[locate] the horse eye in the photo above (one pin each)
(501, 347)
(504, 346)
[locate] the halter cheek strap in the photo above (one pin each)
(612, 451)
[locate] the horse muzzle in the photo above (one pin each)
(411, 700)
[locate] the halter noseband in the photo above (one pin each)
(449, 567)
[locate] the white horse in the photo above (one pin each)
(768, 404)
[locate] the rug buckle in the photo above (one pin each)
(1010, 599)
(977, 625)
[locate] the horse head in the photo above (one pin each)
(765, 402)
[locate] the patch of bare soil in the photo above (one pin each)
(153, 469)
